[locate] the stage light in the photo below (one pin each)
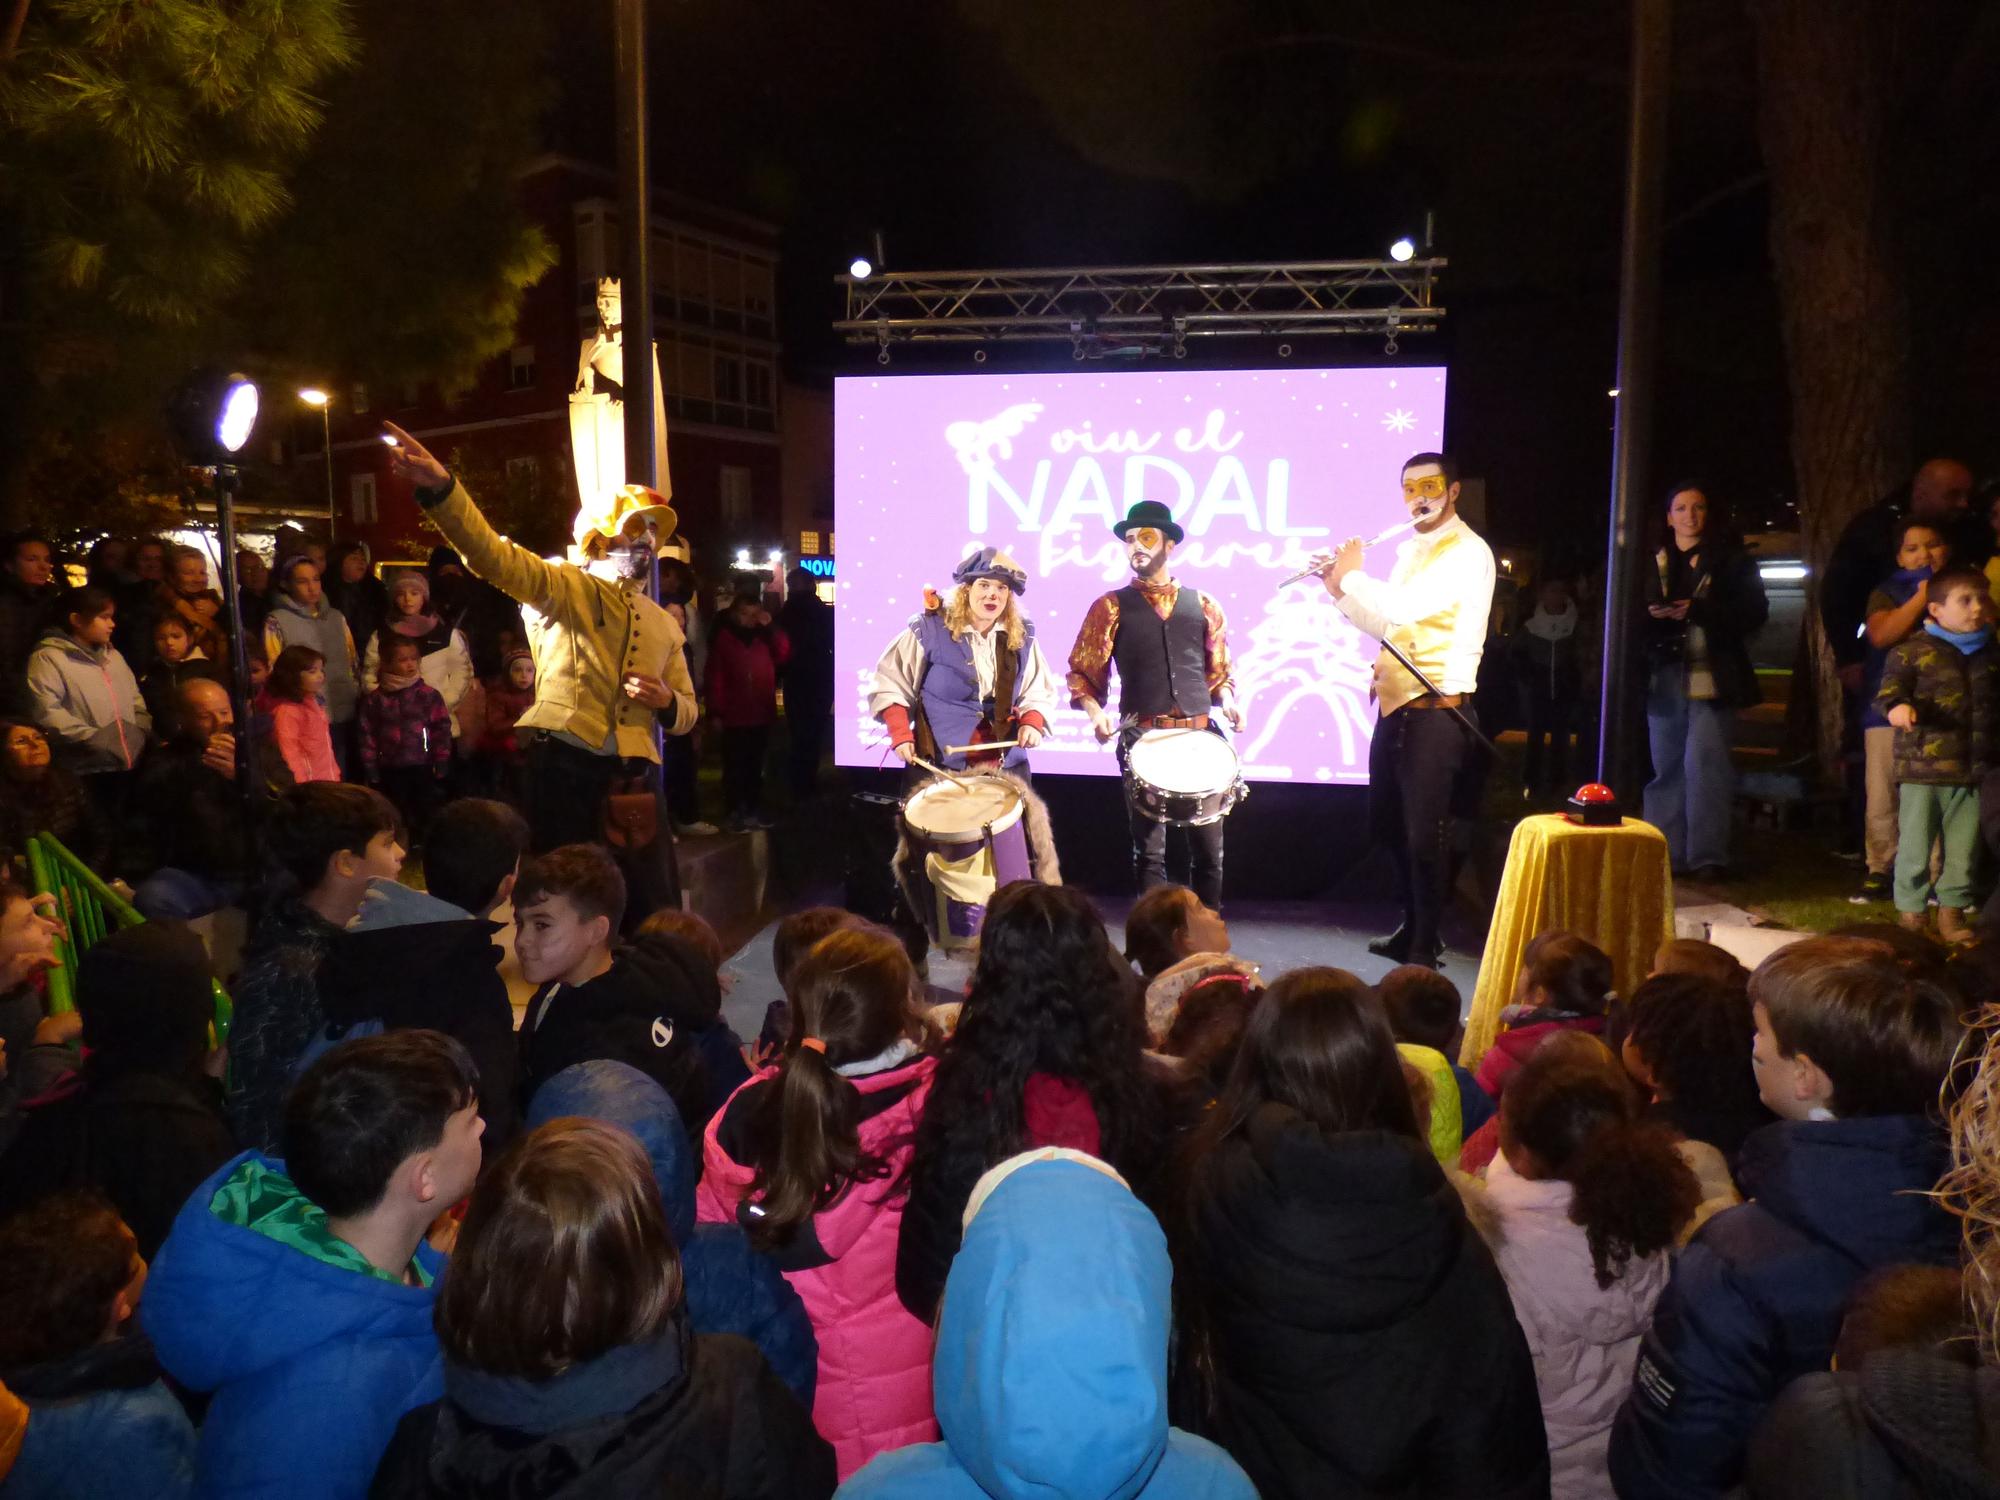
(743, 557)
(239, 414)
(774, 559)
(1404, 249)
(1783, 572)
(313, 396)
(1612, 393)
(212, 414)
(860, 268)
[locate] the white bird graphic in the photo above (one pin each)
(977, 442)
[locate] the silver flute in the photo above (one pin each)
(1374, 541)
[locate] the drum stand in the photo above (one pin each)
(1436, 692)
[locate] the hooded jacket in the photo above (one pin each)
(404, 727)
(412, 961)
(655, 1008)
(1051, 1369)
(88, 701)
(310, 1363)
(1584, 1338)
(730, 1287)
(680, 1417)
(325, 630)
(1756, 1298)
(1363, 1341)
(874, 1389)
(100, 1423)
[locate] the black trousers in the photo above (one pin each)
(808, 725)
(743, 769)
(1416, 764)
(417, 792)
(678, 778)
(1548, 715)
(567, 786)
(1194, 854)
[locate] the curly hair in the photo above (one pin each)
(1971, 1189)
(1579, 1119)
(958, 616)
(1049, 996)
(1695, 1036)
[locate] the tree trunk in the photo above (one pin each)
(1825, 119)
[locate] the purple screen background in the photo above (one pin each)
(1261, 467)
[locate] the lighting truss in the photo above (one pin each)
(1147, 309)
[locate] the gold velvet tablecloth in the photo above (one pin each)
(1611, 885)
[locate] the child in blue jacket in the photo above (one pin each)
(299, 1292)
(1851, 1053)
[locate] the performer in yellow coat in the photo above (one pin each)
(608, 660)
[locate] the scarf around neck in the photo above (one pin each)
(1967, 641)
(1550, 627)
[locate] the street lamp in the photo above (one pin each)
(314, 397)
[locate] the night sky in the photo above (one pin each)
(912, 119)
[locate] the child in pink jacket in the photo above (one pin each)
(298, 714)
(1588, 1200)
(809, 1158)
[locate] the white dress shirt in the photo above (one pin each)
(1435, 605)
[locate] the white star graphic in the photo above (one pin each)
(1400, 420)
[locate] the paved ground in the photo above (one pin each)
(1279, 935)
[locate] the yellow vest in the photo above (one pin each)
(1425, 642)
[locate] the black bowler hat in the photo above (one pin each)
(1150, 513)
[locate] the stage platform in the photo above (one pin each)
(1279, 935)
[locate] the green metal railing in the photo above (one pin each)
(90, 910)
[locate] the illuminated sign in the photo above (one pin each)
(819, 567)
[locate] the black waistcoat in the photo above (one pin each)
(1162, 664)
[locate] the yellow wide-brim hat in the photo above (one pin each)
(606, 517)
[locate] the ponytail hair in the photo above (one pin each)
(1572, 971)
(1580, 1121)
(853, 997)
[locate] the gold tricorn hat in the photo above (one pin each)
(605, 515)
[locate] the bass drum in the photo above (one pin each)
(1186, 777)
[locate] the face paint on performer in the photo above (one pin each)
(986, 601)
(629, 559)
(1146, 549)
(1425, 489)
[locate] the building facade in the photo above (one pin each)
(507, 435)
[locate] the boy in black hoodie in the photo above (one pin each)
(426, 959)
(652, 1004)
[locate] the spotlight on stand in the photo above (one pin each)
(212, 416)
(861, 268)
(1404, 249)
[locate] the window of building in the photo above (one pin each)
(361, 499)
(735, 496)
(357, 399)
(809, 544)
(521, 367)
(728, 378)
(759, 384)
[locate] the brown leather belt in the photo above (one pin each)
(1433, 700)
(1168, 721)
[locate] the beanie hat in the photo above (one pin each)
(146, 997)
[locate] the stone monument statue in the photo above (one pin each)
(597, 409)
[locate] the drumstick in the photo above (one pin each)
(918, 760)
(984, 745)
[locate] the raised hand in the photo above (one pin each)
(410, 460)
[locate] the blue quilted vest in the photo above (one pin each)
(951, 704)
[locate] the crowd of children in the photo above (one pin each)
(1142, 1224)
(1138, 1225)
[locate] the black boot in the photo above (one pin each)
(1395, 947)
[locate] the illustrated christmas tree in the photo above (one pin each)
(1304, 657)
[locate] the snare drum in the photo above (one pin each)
(1187, 777)
(973, 841)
